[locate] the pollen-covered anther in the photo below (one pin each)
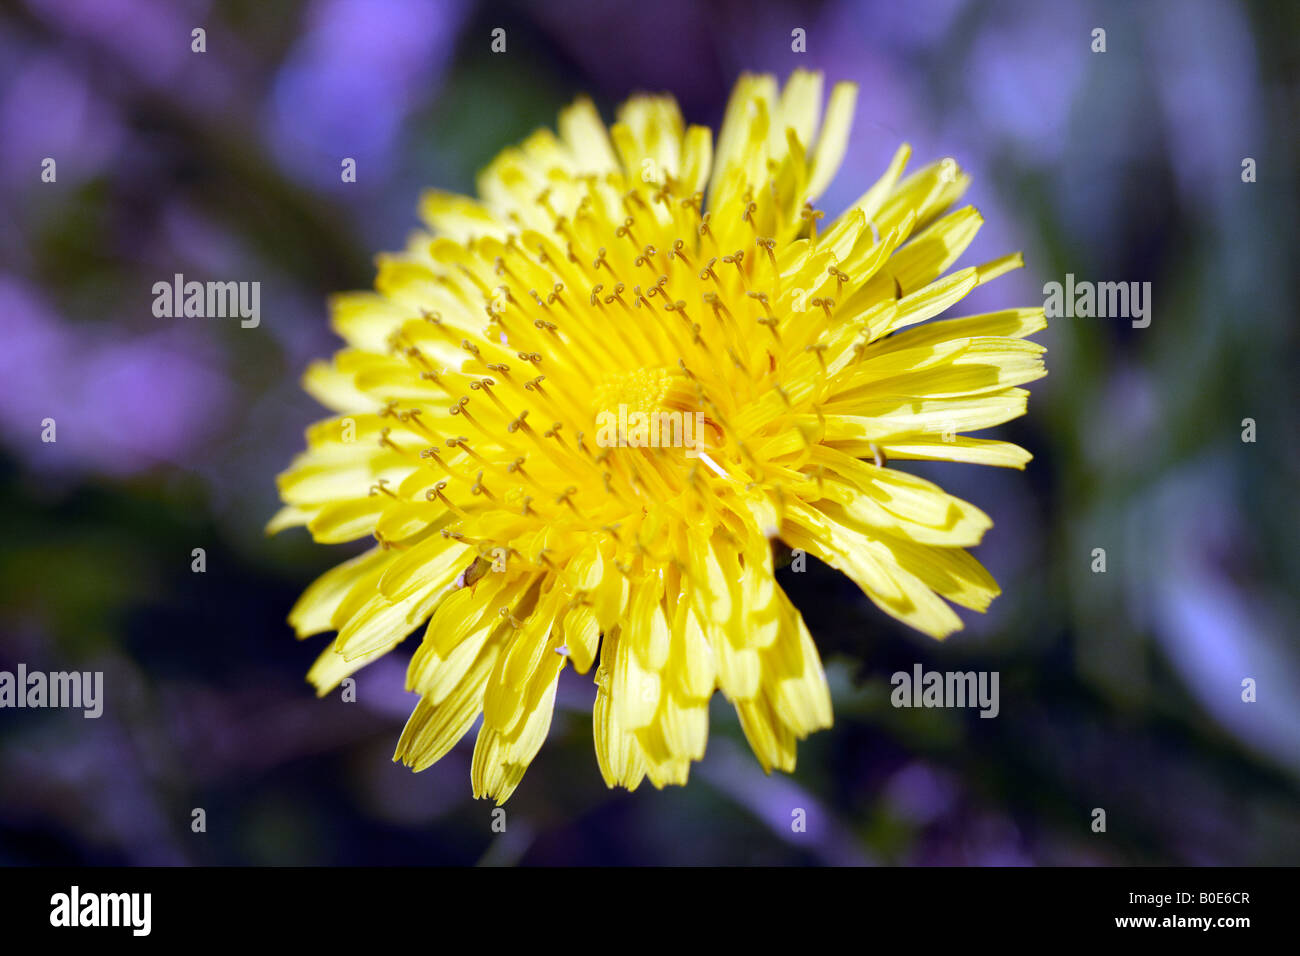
(543, 199)
(479, 488)
(737, 259)
(811, 216)
(826, 304)
(625, 230)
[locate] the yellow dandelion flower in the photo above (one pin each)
(575, 413)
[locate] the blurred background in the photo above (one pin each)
(1119, 690)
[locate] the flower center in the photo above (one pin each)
(651, 408)
(646, 390)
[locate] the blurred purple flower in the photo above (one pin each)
(1022, 75)
(359, 68)
(609, 42)
(1205, 76)
(120, 405)
(921, 793)
(49, 109)
(1217, 628)
(149, 39)
(778, 801)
